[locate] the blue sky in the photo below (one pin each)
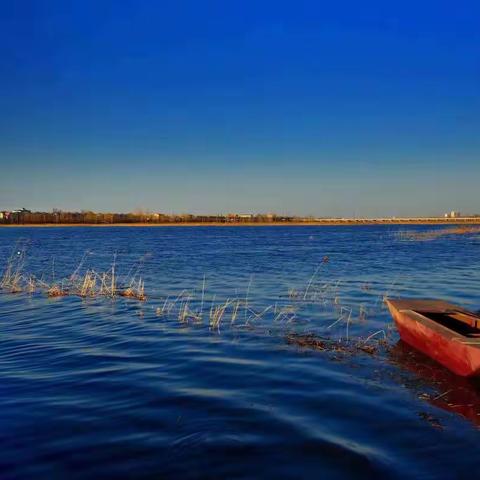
(324, 108)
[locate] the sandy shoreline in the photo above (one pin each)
(220, 224)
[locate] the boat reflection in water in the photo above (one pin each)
(448, 391)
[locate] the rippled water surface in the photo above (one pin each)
(117, 388)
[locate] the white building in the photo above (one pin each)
(453, 214)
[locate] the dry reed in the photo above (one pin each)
(189, 307)
(437, 233)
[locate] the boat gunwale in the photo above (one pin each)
(442, 329)
(449, 334)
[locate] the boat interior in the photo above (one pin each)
(466, 324)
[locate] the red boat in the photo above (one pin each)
(445, 332)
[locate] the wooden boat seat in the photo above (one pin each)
(470, 319)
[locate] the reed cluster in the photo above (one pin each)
(291, 312)
(90, 284)
(319, 297)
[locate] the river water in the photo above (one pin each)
(203, 380)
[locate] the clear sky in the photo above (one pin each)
(324, 108)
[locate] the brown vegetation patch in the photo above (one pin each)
(132, 293)
(56, 291)
(433, 421)
(434, 234)
(315, 342)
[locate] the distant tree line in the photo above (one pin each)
(26, 217)
(88, 217)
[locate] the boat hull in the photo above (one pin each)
(459, 354)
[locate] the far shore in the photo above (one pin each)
(457, 221)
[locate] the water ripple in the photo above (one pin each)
(108, 389)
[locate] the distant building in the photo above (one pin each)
(234, 217)
(453, 214)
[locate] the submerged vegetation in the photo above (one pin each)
(316, 342)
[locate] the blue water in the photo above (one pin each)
(117, 388)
